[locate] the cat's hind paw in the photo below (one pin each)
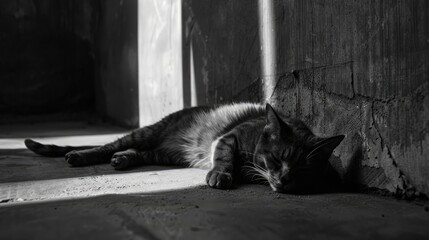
(75, 159)
(119, 162)
(217, 179)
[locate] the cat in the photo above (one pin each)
(241, 142)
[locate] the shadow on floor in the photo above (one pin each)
(249, 212)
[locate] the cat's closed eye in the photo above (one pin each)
(273, 165)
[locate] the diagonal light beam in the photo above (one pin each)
(267, 38)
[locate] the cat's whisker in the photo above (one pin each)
(258, 166)
(311, 155)
(253, 170)
(259, 169)
(262, 171)
(258, 172)
(258, 178)
(266, 176)
(314, 151)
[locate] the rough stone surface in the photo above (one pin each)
(361, 69)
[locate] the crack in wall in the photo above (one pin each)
(352, 81)
(404, 189)
(355, 95)
(399, 184)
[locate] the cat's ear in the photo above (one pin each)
(274, 121)
(272, 117)
(324, 147)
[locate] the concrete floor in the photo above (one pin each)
(43, 198)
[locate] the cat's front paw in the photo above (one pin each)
(119, 162)
(218, 179)
(75, 159)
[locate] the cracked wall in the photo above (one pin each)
(358, 68)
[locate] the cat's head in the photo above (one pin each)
(293, 159)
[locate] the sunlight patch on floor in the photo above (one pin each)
(71, 188)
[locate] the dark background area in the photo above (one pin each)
(70, 57)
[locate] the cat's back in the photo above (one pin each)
(195, 140)
(223, 118)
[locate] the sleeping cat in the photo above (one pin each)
(243, 142)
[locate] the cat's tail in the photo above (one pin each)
(52, 150)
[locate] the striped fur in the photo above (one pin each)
(199, 139)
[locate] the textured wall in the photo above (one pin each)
(116, 57)
(361, 69)
(358, 68)
(221, 51)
